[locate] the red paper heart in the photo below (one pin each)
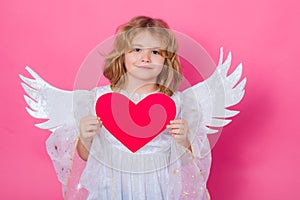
(134, 125)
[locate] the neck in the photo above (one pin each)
(141, 87)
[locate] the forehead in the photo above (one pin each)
(147, 39)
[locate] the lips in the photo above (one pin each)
(145, 67)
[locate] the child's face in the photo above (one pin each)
(144, 61)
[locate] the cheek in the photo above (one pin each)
(159, 64)
(159, 70)
(159, 60)
(129, 60)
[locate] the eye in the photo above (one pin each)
(136, 49)
(156, 52)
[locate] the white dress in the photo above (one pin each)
(161, 169)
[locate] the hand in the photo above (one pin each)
(179, 130)
(89, 127)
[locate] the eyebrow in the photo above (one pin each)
(139, 45)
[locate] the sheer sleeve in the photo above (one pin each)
(61, 144)
(195, 165)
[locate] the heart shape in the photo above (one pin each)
(134, 125)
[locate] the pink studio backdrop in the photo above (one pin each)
(257, 155)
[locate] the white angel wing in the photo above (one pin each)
(47, 102)
(58, 106)
(213, 96)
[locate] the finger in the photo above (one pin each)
(90, 118)
(176, 131)
(91, 132)
(172, 126)
(99, 121)
(92, 128)
(176, 137)
(92, 122)
(177, 121)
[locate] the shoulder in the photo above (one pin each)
(176, 97)
(102, 90)
(93, 94)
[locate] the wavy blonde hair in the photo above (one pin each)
(114, 68)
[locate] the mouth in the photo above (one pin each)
(144, 67)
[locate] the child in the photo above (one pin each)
(143, 61)
(176, 163)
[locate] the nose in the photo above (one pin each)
(146, 57)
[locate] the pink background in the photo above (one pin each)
(256, 157)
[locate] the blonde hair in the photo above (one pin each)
(114, 68)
